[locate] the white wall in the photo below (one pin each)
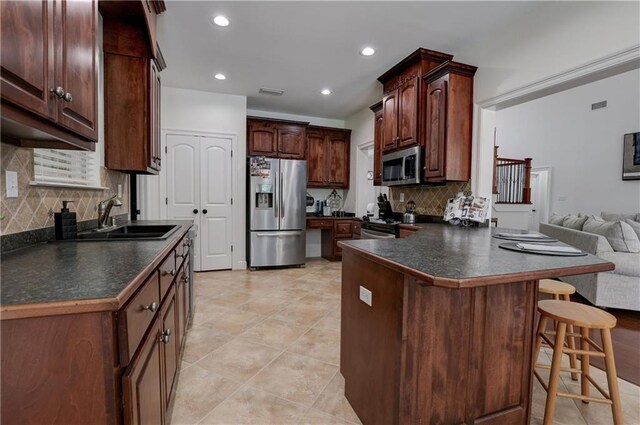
(551, 38)
(326, 122)
(583, 147)
(198, 111)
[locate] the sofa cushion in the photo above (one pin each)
(609, 216)
(626, 263)
(618, 233)
(574, 221)
(635, 226)
(556, 219)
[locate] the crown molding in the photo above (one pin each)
(612, 64)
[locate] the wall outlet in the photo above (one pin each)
(401, 197)
(365, 295)
(12, 184)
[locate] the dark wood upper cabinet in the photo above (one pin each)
(132, 87)
(401, 102)
(26, 75)
(316, 159)
(390, 118)
(76, 69)
(436, 128)
(448, 102)
(328, 157)
(377, 144)
(263, 138)
(428, 101)
(49, 73)
(338, 158)
(291, 141)
(276, 138)
(408, 113)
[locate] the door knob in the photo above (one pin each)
(58, 91)
(204, 211)
(195, 211)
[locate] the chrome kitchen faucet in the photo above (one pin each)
(104, 209)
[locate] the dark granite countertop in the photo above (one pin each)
(73, 271)
(453, 256)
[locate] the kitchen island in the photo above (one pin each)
(438, 327)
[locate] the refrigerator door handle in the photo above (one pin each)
(276, 195)
(278, 234)
(281, 194)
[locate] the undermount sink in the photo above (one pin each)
(130, 232)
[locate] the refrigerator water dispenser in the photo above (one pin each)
(264, 196)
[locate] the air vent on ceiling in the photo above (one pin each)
(598, 105)
(272, 92)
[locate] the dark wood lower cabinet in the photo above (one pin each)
(142, 387)
(424, 354)
(103, 368)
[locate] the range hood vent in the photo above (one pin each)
(272, 92)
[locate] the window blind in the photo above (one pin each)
(66, 168)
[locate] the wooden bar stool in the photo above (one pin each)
(587, 318)
(561, 290)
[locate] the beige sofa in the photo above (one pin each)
(619, 288)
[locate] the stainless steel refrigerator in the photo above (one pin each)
(277, 212)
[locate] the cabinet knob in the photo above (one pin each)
(164, 337)
(151, 307)
(58, 91)
(67, 97)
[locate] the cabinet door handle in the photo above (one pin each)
(164, 337)
(151, 307)
(58, 91)
(67, 97)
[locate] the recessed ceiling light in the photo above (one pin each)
(220, 77)
(326, 92)
(367, 51)
(220, 21)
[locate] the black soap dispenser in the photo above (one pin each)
(66, 224)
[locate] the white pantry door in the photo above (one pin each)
(199, 174)
(215, 200)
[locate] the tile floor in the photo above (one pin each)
(264, 349)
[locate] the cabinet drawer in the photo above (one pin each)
(343, 227)
(318, 223)
(135, 317)
(167, 273)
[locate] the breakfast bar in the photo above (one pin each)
(438, 327)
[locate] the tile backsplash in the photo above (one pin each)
(430, 200)
(30, 210)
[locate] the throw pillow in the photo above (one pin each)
(609, 216)
(635, 226)
(556, 219)
(574, 221)
(619, 234)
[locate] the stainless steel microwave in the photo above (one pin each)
(402, 167)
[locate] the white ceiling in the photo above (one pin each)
(304, 47)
